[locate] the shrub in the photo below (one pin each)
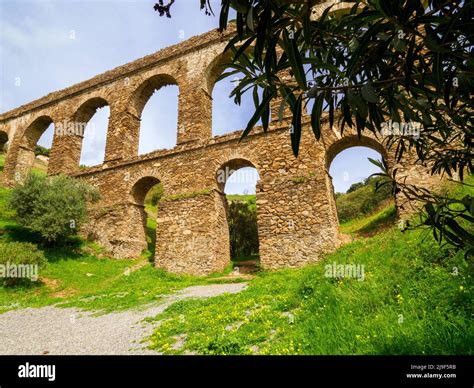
(243, 229)
(54, 207)
(39, 150)
(23, 258)
(154, 195)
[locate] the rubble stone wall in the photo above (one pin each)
(296, 212)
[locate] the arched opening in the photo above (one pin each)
(35, 146)
(156, 104)
(237, 179)
(364, 203)
(3, 141)
(146, 193)
(91, 122)
(227, 116)
(43, 150)
(3, 148)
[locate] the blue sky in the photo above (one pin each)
(49, 45)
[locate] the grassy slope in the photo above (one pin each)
(409, 303)
(382, 218)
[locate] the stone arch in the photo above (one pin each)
(3, 141)
(34, 131)
(88, 108)
(81, 120)
(223, 173)
(227, 168)
(164, 132)
(137, 215)
(21, 153)
(141, 188)
(226, 116)
(338, 146)
(215, 68)
(143, 93)
(349, 141)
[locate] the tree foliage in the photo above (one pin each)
(243, 232)
(40, 150)
(55, 207)
(155, 194)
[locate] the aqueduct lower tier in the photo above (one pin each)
(297, 218)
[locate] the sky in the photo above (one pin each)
(49, 45)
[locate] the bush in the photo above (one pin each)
(54, 207)
(243, 229)
(39, 150)
(24, 259)
(155, 194)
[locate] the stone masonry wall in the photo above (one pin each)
(296, 213)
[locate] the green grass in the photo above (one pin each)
(416, 298)
(382, 218)
(409, 303)
(151, 230)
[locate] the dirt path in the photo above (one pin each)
(58, 331)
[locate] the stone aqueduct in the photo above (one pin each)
(297, 218)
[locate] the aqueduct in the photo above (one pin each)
(297, 218)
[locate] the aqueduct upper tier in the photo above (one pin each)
(297, 218)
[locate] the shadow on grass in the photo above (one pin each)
(375, 224)
(66, 250)
(151, 240)
(21, 285)
(21, 234)
(150, 232)
(385, 220)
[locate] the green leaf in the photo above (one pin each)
(224, 16)
(356, 101)
(256, 116)
(296, 122)
(281, 110)
(316, 115)
(250, 21)
(433, 45)
(377, 163)
(294, 57)
(266, 111)
(243, 47)
(368, 92)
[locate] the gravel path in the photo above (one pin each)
(58, 331)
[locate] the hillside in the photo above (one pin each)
(407, 299)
